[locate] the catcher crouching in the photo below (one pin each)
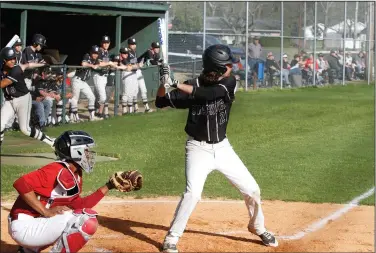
(49, 209)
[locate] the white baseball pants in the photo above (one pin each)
(21, 106)
(203, 158)
(36, 233)
(128, 87)
(141, 86)
(79, 86)
(100, 83)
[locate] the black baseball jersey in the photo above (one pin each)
(153, 57)
(132, 56)
(30, 56)
(18, 88)
(84, 73)
(209, 108)
(39, 85)
(105, 57)
(18, 58)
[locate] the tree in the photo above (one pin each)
(186, 16)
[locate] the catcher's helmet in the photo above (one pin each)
(132, 41)
(216, 57)
(155, 45)
(124, 50)
(75, 146)
(39, 39)
(105, 39)
(7, 53)
(94, 49)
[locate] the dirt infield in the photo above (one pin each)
(139, 225)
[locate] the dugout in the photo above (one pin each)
(73, 27)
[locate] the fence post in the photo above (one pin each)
(194, 67)
(314, 47)
(344, 46)
(305, 24)
(281, 66)
(204, 32)
(246, 48)
(370, 15)
(63, 92)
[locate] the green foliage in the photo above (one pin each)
(314, 145)
(187, 16)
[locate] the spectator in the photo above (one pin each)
(272, 67)
(323, 67)
(341, 61)
(285, 69)
(333, 66)
(349, 66)
(255, 51)
(360, 62)
(296, 65)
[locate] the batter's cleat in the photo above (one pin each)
(268, 239)
(169, 248)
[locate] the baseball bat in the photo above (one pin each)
(12, 41)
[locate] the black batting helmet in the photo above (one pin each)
(124, 50)
(105, 39)
(94, 49)
(216, 57)
(155, 45)
(132, 41)
(39, 39)
(7, 53)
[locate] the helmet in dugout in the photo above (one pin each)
(216, 57)
(132, 41)
(155, 45)
(7, 53)
(94, 49)
(105, 39)
(124, 50)
(76, 146)
(39, 39)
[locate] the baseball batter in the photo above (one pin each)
(49, 209)
(101, 74)
(17, 96)
(79, 84)
(209, 98)
(140, 82)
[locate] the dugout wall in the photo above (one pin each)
(73, 27)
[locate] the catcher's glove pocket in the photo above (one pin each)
(126, 181)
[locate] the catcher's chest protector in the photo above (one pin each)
(77, 232)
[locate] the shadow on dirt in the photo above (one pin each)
(125, 227)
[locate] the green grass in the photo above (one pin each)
(314, 145)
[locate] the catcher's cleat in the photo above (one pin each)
(268, 239)
(169, 248)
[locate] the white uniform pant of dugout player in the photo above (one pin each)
(203, 158)
(79, 86)
(100, 83)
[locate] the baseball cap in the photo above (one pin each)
(332, 51)
(155, 45)
(18, 42)
(124, 50)
(132, 41)
(106, 39)
(284, 55)
(321, 55)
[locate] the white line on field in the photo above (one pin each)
(321, 222)
(102, 250)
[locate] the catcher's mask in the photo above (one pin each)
(76, 146)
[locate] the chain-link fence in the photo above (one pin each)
(338, 36)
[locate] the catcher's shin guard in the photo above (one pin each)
(77, 232)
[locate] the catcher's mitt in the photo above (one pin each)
(126, 181)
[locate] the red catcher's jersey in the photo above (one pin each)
(53, 182)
